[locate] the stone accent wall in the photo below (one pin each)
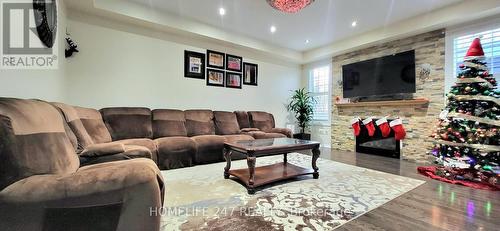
(419, 121)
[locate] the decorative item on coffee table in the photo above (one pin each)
(253, 176)
(301, 104)
(467, 148)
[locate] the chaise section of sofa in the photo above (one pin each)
(43, 187)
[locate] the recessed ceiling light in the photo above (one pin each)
(222, 11)
(272, 29)
(307, 41)
(354, 24)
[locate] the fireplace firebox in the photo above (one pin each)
(376, 144)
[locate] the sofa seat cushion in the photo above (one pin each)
(235, 138)
(148, 143)
(209, 148)
(88, 180)
(175, 152)
(168, 122)
(266, 135)
(199, 122)
(94, 125)
(128, 122)
(226, 123)
(137, 151)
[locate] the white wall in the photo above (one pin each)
(41, 84)
(119, 67)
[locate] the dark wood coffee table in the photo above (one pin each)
(254, 177)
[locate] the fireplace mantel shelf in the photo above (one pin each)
(411, 102)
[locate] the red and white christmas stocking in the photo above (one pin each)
(368, 122)
(355, 125)
(383, 125)
(399, 130)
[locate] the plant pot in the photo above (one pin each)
(302, 136)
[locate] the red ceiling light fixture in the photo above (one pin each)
(289, 6)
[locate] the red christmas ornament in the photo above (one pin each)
(475, 50)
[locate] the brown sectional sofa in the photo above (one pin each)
(174, 138)
(87, 165)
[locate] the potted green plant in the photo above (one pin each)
(301, 104)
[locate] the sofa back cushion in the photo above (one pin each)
(33, 141)
(94, 124)
(168, 122)
(226, 123)
(128, 122)
(73, 120)
(243, 119)
(199, 122)
(261, 120)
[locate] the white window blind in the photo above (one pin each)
(490, 40)
(319, 86)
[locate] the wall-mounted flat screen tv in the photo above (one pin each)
(388, 75)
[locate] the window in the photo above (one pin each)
(319, 86)
(490, 40)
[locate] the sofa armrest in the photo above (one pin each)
(103, 149)
(285, 131)
(136, 184)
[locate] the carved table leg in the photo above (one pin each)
(315, 157)
(227, 156)
(251, 170)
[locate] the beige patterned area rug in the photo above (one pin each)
(199, 198)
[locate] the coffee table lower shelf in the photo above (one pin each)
(269, 173)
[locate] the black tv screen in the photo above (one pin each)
(388, 75)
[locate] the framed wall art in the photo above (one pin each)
(215, 77)
(215, 59)
(234, 63)
(194, 65)
(233, 80)
(250, 73)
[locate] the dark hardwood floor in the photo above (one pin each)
(434, 205)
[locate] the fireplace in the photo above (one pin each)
(378, 145)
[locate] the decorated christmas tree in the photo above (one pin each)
(467, 148)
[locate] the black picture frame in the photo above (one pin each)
(240, 63)
(228, 79)
(211, 61)
(188, 72)
(250, 74)
(209, 77)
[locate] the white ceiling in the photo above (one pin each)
(323, 22)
